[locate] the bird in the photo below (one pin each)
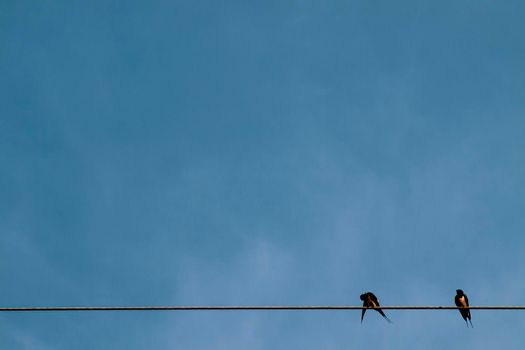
(461, 301)
(370, 301)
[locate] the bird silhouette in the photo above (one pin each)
(461, 301)
(370, 301)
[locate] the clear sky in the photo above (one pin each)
(261, 153)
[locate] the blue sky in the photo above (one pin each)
(261, 153)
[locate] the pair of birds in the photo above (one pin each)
(461, 300)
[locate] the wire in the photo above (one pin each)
(242, 308)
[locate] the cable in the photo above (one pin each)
(242, 308)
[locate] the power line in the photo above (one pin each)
(241, 308)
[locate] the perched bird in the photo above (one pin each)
(370, 301)
(461, 301)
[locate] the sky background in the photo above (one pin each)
(261, 153)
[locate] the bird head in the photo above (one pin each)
(459, 292)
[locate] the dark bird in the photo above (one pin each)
(370, 301)
(461, 301)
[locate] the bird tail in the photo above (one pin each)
(383, 314)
